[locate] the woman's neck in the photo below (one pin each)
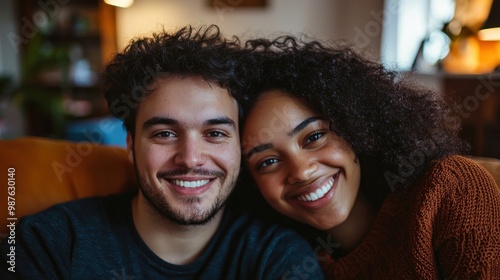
(358, 224)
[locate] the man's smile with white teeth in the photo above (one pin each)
(318, 193)
(190, 184)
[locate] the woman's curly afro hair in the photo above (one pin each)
(395, 127)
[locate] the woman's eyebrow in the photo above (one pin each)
(257, 149)
(303, 125)
(294, 131)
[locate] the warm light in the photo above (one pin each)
(120, 3)
(490, 34)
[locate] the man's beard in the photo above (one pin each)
(159, 205)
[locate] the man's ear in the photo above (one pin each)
(130, 147)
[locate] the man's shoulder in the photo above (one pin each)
(81, 211)
(250, 223)
(262, 234)
(272, 249)
(67, 237)
(248, 212)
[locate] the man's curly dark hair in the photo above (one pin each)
(130, 76)
(396, 128)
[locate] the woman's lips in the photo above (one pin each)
(319, 196)
(318, 193)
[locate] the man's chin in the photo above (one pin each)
(196, 219)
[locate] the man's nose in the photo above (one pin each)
(191, 152)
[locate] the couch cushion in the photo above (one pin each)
(50, 171)
(492, 165)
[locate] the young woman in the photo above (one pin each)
(340, 144)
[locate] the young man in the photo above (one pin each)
(177, 94)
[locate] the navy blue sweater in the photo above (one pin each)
(95, 238)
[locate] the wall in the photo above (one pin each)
(357, 21)
(323, 19)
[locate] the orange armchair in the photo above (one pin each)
(47, 171)
(492, 165)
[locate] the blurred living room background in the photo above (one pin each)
(52, 52)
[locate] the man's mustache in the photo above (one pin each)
(187, 171)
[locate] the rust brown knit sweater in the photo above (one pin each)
(447, 227)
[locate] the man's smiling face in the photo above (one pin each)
(186, 149)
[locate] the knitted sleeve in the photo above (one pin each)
(466, 231)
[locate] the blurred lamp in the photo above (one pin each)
(120, 3)
(491, 27)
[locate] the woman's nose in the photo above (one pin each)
(301, 169)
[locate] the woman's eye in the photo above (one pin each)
(314, 136)
(266, 163)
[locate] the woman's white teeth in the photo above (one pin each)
(191, 184)
(317, 194)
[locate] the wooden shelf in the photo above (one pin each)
(69, 49)
(478, 98)
(478, 107)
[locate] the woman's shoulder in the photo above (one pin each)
(455, 161)
(459, 200)
(457, 176)
(458, 169)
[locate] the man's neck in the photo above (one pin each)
(174, 243)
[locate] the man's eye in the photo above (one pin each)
(216, 134)
(164, 134)
(266, 163)
(315, 136)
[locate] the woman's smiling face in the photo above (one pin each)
(302, 169)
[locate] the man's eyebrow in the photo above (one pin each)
(159, 121)
(220, 120)
(169, 121)
(303, 125)
(258, 148)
